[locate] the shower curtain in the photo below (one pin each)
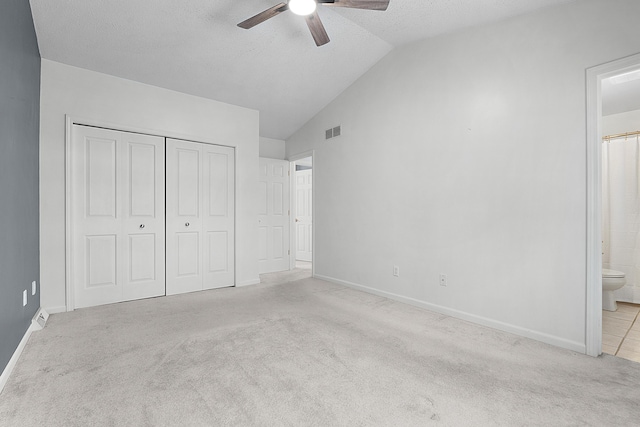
(621, 210)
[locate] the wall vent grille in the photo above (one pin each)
(332, 133)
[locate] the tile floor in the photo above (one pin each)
(621, 331)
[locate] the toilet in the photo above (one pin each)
(611, 281)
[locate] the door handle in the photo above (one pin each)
(186, 224)
(141, 226)
(297, 220)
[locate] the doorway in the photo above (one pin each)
(621, 215)
(595, 133)
(302, 230)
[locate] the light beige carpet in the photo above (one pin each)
(299, 353)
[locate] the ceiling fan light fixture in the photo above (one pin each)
(302, 7)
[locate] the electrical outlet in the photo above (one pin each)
(396, 271)
(24, 297)
(33, 287)
(443, 280)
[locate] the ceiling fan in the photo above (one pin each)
(307, 8)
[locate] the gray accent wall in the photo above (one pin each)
(19, 141)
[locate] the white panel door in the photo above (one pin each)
(143, 216)
(273, 215)
(117, 210)
(200, 216)
(218, 216)
(184, 217)
(304, 219)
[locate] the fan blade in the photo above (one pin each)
(317, 29)
(263, 16)
(357, 4)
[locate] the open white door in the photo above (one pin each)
(303, 213)
(117, 211)
(273, 216)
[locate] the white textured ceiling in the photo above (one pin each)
(195, 46)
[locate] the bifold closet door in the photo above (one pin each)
(117, 216)
(200, 216)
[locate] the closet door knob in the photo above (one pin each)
(141, 225)
(186, 224)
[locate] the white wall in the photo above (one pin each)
(129, 105)
(272, 148)
(466, 155)
(621, 123)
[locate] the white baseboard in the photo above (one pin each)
(14, 359)
(494, 324)
(248, 282)
(56, 310)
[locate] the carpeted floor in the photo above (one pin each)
(303, 352)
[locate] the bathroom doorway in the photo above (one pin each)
(620, 165)
(601, 103)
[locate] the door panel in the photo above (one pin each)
(278, 243)
(278, 199)
(200, 216)
(142, 253)
(304, 219)
(142, 158)
(184, 223)
(144, 217)
(188, 250)
(101, 261)
(262, 195)
(101, 170)
(262, 245)
(188, 178)
(218, 219)
(218, 260)
(218, 183)
(117, 212)
(273, 215)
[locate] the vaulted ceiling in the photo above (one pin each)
(195, 46)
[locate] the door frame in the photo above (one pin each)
(594, 77)
(292, 200)
(71, 120)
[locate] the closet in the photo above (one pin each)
(148, 216)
